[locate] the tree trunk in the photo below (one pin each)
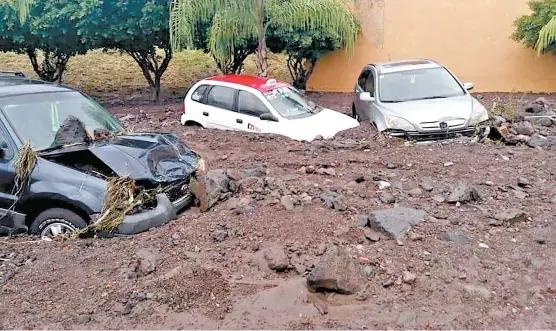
(52, 67)
(262, 64)
(152, 67)
(299, 71)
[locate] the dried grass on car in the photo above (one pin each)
(25, 164)
(119, 201)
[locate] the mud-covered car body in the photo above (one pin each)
(74, 177)
(416, 99)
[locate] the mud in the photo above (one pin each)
(487, 275)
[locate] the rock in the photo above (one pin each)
(415, 236)
(510, 215)
(524, 128)
(522, 138)
(287, 202)
(219, 235)
(479, 291)
(415, 192)
(127, 309)
(395, 222)
(359, 179)
(523, 182)
(542, 121)
(438, 198)
(457, 238)
(210, 188)
(382, 185)
(146, 261)
(538, 141)
(255, 170)
(537, 106)
(83, 319)
(387, 197)
(408, 277)
(391, 166)
(362, 220)
(372, 236)
(520, 194)
(489, 183)
(370, 271)
(463, 192)
(326, 171)
(232, 203)
(427, 184)
(244, 206)
(448, 164)
(71, 131)
(498, 120)
(334, 200)
(276, 258)
(337, 272)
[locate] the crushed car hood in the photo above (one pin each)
(153, 157)
(422, 111)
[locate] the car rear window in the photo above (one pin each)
(199, 93)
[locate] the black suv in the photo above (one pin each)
(67, 186)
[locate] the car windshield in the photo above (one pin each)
(289, 103)
(432, 83)
(37, 118)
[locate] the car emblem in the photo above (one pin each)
(443, 126)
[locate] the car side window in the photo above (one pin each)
(221, 97)
(370, 83)
(250, 104)
(6, 150)
(199, 93)
(363, 78)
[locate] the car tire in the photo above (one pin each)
(55, 220)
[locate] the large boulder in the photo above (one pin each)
(211, 188)
(395, 222)
(463, 192)
(338, 272)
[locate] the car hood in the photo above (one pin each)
(326, 123)
(153, 157)
(422, 111)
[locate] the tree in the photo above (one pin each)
(538, 30)
(303, 48)
(49, 37)
(139, 28)
(243, 47)
(22, 7)
(247, 19)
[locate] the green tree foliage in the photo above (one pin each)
(49, 37)
(242, 47)
(538, 30)
(139, 28)
(303, 47)
(250, 19)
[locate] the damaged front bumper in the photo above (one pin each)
(164, 212)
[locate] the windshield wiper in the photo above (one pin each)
(434, 97)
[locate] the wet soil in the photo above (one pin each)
(505, 277)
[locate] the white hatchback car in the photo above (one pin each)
(255, 104)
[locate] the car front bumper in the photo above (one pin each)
(164, 212)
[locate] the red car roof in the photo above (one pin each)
(258, 83)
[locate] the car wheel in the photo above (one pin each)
(57, 221)
(354, 113)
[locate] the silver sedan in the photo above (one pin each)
(417, 99)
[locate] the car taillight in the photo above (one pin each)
(183, 107)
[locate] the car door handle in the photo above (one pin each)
(239, 120)
(205, 113)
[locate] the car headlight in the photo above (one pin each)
(398, 123)
(479, 115)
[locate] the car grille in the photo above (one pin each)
(436, 125)
(435, 135)
(177, 190)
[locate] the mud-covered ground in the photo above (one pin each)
(208, 270)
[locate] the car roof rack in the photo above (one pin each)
(13, 73)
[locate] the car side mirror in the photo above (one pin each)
(2, 153)
(366, 96)
(468, 86)
(268, 117)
